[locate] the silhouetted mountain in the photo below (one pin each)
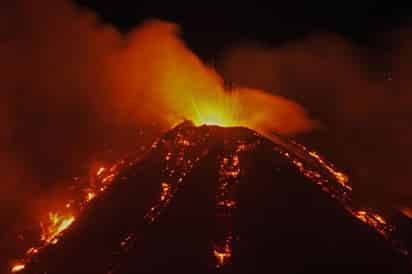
(225, 200)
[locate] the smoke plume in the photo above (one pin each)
(73, 87)
(361, 96)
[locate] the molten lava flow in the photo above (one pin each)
(57, 224)
(340, 191)
(32, 251)
(180, 153)
(226, 202)
(90, 195)
(60, 220)
(339, 176)
(100, 171)
(374, 220)
(18, 267)
(223, 252)
(179, 161)
(165, 191)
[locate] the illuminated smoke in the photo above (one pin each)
(74, 87)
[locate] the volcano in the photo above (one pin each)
(210, 199)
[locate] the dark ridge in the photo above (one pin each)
(224, 200)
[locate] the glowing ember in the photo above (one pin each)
(179, 163)
(57, 225)
(17, 267)
(90, 196)
(108, 179)
(374, 220)
(340, 177)
(60, 220)
(227, 203)
(223, 252)
(32, 251)
(100, 171)
(165, 191)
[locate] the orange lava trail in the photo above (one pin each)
(58, 221)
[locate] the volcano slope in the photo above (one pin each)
(210, 199)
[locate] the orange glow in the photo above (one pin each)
(178, 86)
(340, 177)
(32, 250)
(100, 171)
(218, 111)
(407, 212)
(374, 220)
(108, 179)
(57, 224)
(379, 219)
(227, 203)
(223, 253)
(59, 220)
(250, 108)
(165, 191)
(90, 196)
(17, 267)
(366, 216)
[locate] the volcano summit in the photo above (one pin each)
(210, 199)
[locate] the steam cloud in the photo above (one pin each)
(71, 86)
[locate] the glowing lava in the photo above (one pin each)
(220, 112)
(180, 153)
(59, 220)
(58, 223)
(90, 196)
(223, 252)
(165, 191)
(374, 220)
(17, 267)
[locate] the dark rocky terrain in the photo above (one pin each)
(225, 200)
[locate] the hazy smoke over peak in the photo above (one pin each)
(72, 87)
(361, 96)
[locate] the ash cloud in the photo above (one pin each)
(72, 87)
(361, 96)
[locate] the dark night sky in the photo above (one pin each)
(208, 27)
